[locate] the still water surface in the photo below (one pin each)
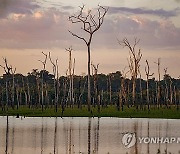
(83, 135)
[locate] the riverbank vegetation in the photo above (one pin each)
(109, 111)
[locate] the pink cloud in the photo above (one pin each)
(49, 28)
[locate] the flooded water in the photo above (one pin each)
(84, 135)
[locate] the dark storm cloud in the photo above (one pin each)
(157, 12)
(16, 6)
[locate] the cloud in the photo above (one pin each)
(157, 12)
(16, 6)
(153, 34)
(46, 29)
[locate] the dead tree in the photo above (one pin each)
(55, 73)
(134, 60)
(42, 82)
(141, 91)
(166, 91)
(90, 24)
(17, 94)
(70, 70)
(158, 99)
(110, 88)
(123, 91)
(13, 86)
(147, 71)
(95, 68)
(28, 93)
(58, 85)
(74, 62)
(171, 90)
(7, 70)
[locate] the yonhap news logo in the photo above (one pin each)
(129, 139)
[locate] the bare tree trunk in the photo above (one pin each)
(46, 96)
(28, 93)
(147, 92)
(55, 71)
(141, 93)
(24, 91)
(120, 99)
(70, 79)
(89, 84)
(175, 95)
(110, 90)
(178, 102)
(134, 91)
(42, 82)
(71, 69)
(57, 93)
(171, 92)
(17, 96)
(13, 92)
(158, 87)
(73, 94)
(147, 71)
(166, 89)
(42, 91)
(7, 95)
(39, 93)
(95, 68)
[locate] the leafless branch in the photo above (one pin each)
(88, 21)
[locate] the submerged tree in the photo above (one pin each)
(90, 24)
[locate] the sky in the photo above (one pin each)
(28, 27)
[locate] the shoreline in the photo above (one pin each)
(110, 111)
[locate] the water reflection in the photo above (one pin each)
(83, 135)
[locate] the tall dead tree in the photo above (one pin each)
(141, 91)
(13, 86)
(7, 70)
(134, 60)
(166, 91)
(28, 93)
(42, 82)
(158, 84)
(123, 90)
(70, 70)
(56, 85)
(17, 95)
(147, 71)
(90, 24)
(110, 88)
(95, 68)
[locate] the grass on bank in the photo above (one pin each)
(110, 111)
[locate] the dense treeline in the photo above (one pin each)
(112, 89)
